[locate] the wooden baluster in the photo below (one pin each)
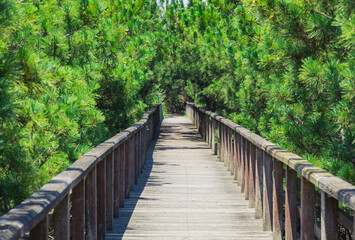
(277, 199)
(122, 178)
(133, 157)
(329, 217)
(136, 159)
(267, 192)
(239, 160)
(140, 151)
(214, 142)
(91, 205)
(307, 210)
(116, 182)
(258, 184)
(109, 190)
(291, 204)
(101, 199)
(246, 167)
(219, 139)
(232, 149)
(78, 212)
(62, 219)
(242, 161)
(127, 167)
(252, 176)
(235, 156)
(40, 231)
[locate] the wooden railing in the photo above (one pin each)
(280, 185)
(81, 202)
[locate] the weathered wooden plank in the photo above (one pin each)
(277, 199)
(267, 191)
(40, 231)
(185, 193)
(259, 184)
(329, 216)
(109, 190)
(307, 210)
(61, 219)
(78, 212)
(91, 205)
(101, 199)
(291, 204)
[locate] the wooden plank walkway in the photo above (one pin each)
(185, 192)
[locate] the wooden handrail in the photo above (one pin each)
(95, 185)
(260, 168)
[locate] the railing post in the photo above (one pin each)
(329, 217)
(91, 205)
(239, 160)
(78, 211)
(127, 153)
(214, 143)
(122, 175)
(307, 210)
(246, 167)
(277, 199)
(267, 192)
(116, 182)
(252, 176)
(40, 231)
(101, 199)
(132, 160)
(61, 219)
(109, 189)
(291, 204)
(242, 161)
(258, 184)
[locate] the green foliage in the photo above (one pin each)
(73, 73)
(283, 69)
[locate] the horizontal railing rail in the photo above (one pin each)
(280, 185)
(83, 200)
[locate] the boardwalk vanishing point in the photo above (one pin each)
(185, 192)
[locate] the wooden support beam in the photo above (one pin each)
(307, 210)
(277, 199)
(62, 220)
(127, 167)
(116, 182)
(40, 231)
(252, 175)
(109, 190)
(122, 178)
(267, 192)
(291, 205)
(246, 168)
(329, 217)
(78, 212)
(91, 205)
(101, 200)
(259, 184)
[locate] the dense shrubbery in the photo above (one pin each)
(74, 72)
(283, 69)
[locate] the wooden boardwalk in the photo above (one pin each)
(185, 192)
